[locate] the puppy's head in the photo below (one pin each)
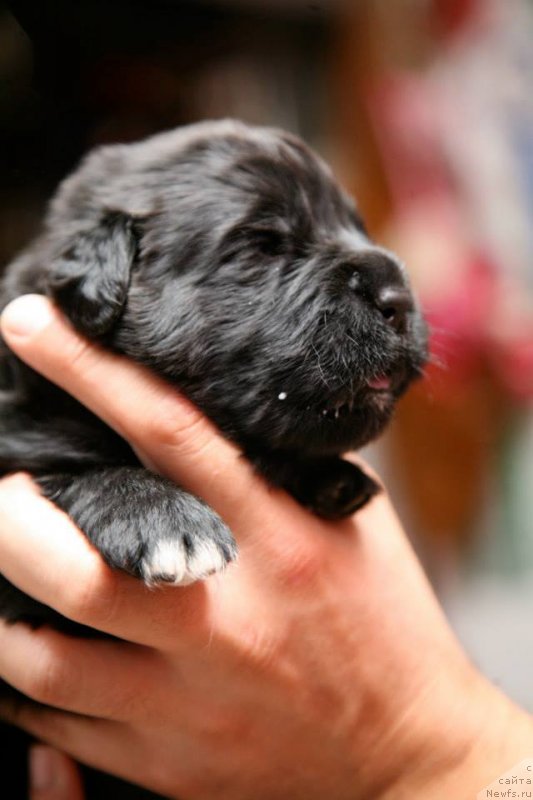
(227, 259)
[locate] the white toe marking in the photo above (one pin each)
(206, 559)
(169, 559)
(169, 563)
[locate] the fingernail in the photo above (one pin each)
(42, 768)
(27, 315)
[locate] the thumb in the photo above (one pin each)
(53, 775)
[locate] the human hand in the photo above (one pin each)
(53, 776)
(320, 665)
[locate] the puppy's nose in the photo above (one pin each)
(379, 280)
(394, 303)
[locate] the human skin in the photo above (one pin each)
(319, 665)
(53, 776)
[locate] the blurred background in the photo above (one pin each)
(424, 109)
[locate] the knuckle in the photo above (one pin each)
(261, 649)
(50, 680)
(224, 728)
(299, 566)
(178, 428)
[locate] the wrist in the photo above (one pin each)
(472, 736)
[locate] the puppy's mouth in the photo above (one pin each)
(340, 419)
(378, 391)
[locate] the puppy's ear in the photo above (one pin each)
(90, 280)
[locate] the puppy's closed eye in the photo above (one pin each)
(268, 241)
(262, 240)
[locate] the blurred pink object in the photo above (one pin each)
(475, 313)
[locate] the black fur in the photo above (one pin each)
(227, 260)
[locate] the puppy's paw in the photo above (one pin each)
(144, 524)
(330, 487)
(341, 491)
(195, 549)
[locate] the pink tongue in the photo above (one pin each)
(380, 383)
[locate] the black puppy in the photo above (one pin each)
(226, 259)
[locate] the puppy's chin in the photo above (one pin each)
(326, 423)
(333, 430)
(318, 427)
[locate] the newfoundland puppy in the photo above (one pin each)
(225, 258)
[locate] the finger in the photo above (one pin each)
(111, 747)
(159, 423)
(44, 554)
(95, 742)
(53, 775)
(101, 678)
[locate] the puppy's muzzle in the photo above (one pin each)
(379, 281)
